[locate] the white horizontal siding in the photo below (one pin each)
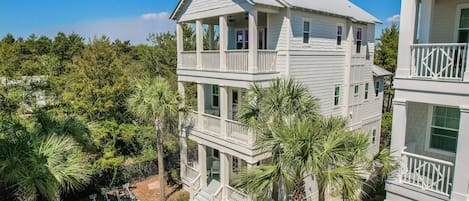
(277, 33)
(320, 73)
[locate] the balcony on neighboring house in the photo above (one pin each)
(438, 42)
(224, 45)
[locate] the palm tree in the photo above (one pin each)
(153, 101)
(38, 166)
(269, 112)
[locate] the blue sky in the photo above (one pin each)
(124, 19)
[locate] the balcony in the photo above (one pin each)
(445, 61)
(236, 61)
(428, 174)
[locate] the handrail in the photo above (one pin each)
(215, 195)
(209, 115)
(210, 51)
(234, 122)
(238, 50)
(236, 190)
(428, 158)
(191, 51)
(437, 44)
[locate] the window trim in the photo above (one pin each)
(356, 89)
(212, 95)
(377, 88)
(429, 133)
(374, 135)
(459, 7)
(341, 34)
(304, 31)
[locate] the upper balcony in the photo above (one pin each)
(224, 48)
(433, 40)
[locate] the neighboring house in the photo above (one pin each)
(430, 132)
(34, 94)
(326, 45)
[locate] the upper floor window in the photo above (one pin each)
(336, 95)
(359, 39)
(377, 89)
(306, 32)
(366, 90)
(463, 29)
(356, 89)
(215, 96)
(373, 137)
(444, 128)
(339, 35)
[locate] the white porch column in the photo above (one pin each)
(182, 136)
(253, 41)
(223, 90)
(461, 173)
(399, 124)
(224, 173)
(425, 20)
(223, 26)
(180, 44)
(406, 37)
(466, 73)
(200, 104)
(211, 37)
(199, 42)
(202, 164)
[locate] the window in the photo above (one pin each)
(215, 95)
(306, 32)
(336, 95)
(242, 39)
(377, 89)
(373, 137)
(235, 164)
(366, 90)
(359, 39)
(444, 128)
(463, 29)
(339, 35)
(356, 89)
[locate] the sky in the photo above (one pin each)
(121, 19)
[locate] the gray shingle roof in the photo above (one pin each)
(378, 71)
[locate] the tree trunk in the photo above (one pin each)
(299, 193)
(321, 190)
(159, 147)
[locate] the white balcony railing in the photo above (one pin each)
(236, 131)
(192, 119)
(218, 194)
(189, 59)
(237, 60)
(191, 173)
(235, 195)
(266, 60)
(439, 61)
(211, 60)
(426, 173)
(211, 123)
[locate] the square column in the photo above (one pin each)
(425, 20)
(406, 37)
(223, 26)
(199, 42)
(223, 91)
(399, 125)
(200, 104)
(182, 136)
(202, 164)
(224, 173)
(253, 40)
(180, 44)
(461, 173)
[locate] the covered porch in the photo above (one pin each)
(438, 36)
(431, 155)
(236, 42)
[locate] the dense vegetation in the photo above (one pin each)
(86, 85)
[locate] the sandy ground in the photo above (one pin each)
(149, 190)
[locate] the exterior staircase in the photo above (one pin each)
(205, 194)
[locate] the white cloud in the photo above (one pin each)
(135, 29)
(394, 19)
(155, 16)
